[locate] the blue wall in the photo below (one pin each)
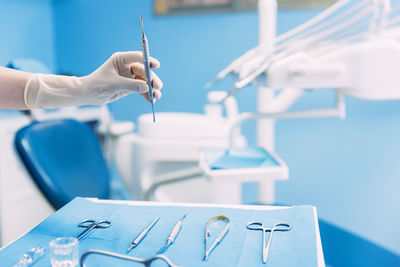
(347, 168)
(26, 31)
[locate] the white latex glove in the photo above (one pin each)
(123, 73)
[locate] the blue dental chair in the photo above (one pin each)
(64, 159)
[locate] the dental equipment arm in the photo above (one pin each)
(338, 112)
(313, 35)
(340, 25)
(123, 73)
(280, 39)
(367, 70)
(171, 178)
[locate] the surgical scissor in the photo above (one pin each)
(90, 225)
(276, 227)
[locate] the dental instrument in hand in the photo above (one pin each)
(146, 62)
(90, 225)
(220, 236)
(276, 227)
(142, 234)
(172, 236)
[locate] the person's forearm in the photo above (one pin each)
(122, 74)
(12, 86)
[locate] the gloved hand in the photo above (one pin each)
(123, 73)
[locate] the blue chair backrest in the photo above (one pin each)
(64, 159)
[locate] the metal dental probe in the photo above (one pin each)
(172, 236)
(142, 234)
(146, 62)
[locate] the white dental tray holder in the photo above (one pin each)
(231, 180)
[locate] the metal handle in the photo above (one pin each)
(146, 262)
(90, 225)
(255, 226)
(146, 62)
(86, 231)
(266, 248)
(277, 227)
(144, 232)
(220, 236)
(282, 227)
(174, 233)
(266, 245)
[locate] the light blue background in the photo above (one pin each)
(27, 31)
(347, 168)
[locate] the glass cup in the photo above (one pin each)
(64, 252)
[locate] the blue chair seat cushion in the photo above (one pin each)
(65, 160)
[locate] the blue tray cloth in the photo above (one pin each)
(241, 247)
(236, 158)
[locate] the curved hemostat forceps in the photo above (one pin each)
(276, 227)
(90, 225)
(220, 236)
